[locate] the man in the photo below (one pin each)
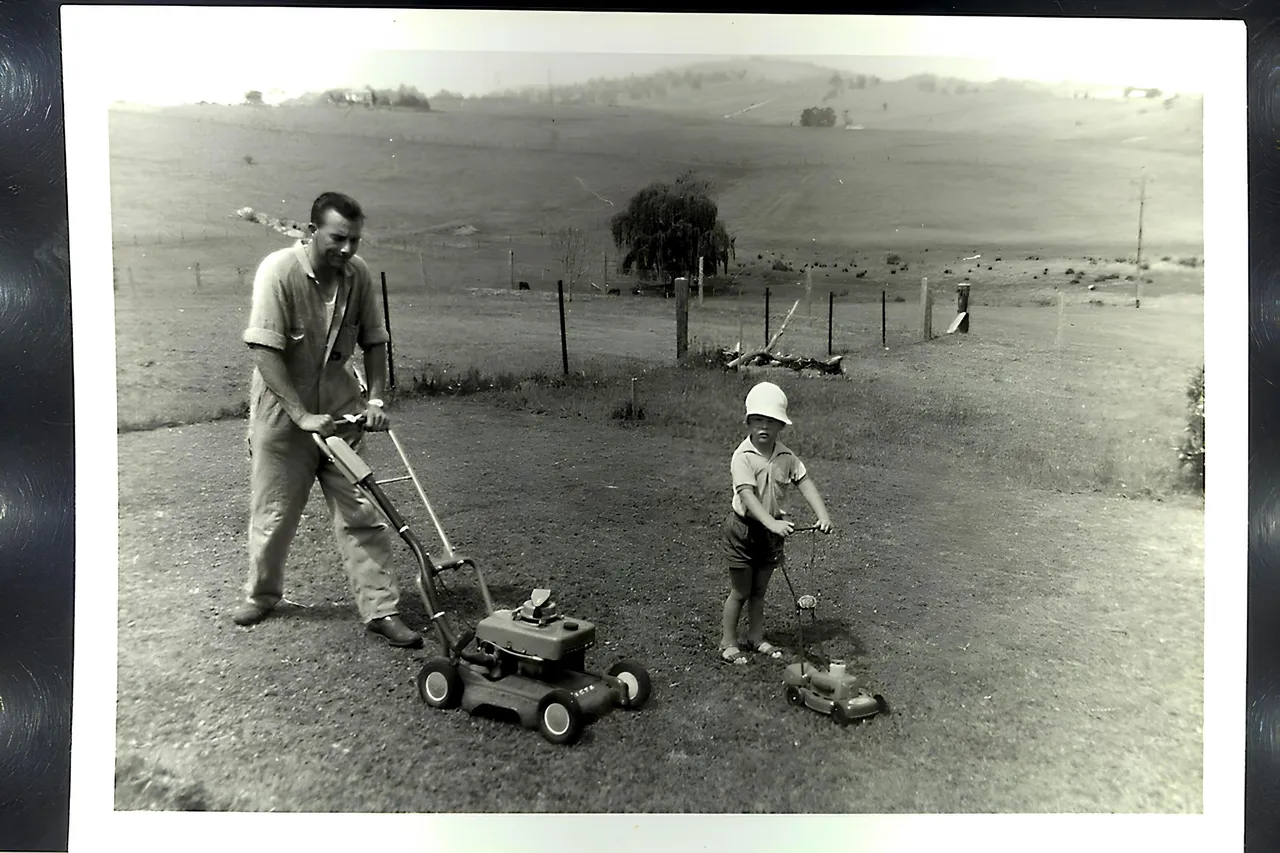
(313, 303)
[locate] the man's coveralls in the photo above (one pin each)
(288, 315)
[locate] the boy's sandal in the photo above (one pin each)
(767, 648)
(733, 655)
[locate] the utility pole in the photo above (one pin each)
(1142, 203)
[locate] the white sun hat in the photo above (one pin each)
(768, 399)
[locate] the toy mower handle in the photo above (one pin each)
(805, 529)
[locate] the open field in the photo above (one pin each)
(1017, 565)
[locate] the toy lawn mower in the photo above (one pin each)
(829, 689)
(530, 660)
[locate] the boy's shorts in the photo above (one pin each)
(750, 545)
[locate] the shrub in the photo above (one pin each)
(818, 117)
(1191, 452)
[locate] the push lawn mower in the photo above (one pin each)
(530, 660)
(829, 689)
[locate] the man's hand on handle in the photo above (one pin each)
(322, 425)
(375, 419)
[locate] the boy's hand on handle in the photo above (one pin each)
(323, 425)
(824, 524)
(782, 527)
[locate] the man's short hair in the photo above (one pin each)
(344, 205)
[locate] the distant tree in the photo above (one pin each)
(254, 97)
(409, 96)
(571, 246)
(818, 117)
(1154, 93)
(837, 83)
(928, 83)
(665, 228)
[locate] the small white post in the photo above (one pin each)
(1062, 307)
(699, 280)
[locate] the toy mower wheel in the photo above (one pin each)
(560, 717)
(636, 680)
(439, 684)
(794, 697)
(840, 715)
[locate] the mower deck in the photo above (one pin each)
(840, 695)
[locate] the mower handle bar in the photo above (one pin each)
(360, 420)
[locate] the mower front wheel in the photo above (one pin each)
(560, 717)
(439, 684)
(635, 678)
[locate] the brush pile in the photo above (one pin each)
(766, 357)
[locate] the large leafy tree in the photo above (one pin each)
(665, 228)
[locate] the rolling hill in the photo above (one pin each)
(1006, 167)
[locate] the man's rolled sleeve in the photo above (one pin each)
(373, 329)
(267, 324)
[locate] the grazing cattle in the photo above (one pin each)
(615, 291)
(524, 285)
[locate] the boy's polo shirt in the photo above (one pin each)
(288, 314)
(771, 477)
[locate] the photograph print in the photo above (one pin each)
(743, 429)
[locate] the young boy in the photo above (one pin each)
(763, 470)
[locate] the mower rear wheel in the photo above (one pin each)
(439, 684)
(794, 697)
(636, 679)
(560, 717)
(840, 715)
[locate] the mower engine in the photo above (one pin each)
(536, 638)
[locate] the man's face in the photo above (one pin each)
(764, 431)
(337, 239)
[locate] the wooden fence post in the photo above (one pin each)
(682, 317)
(961, 323)
(831, 313)
(766, 316)
(808, 291)
(699, 280)
(883, 319)
(926, 310)
(511, 267)
(386, 318)
(564, 341)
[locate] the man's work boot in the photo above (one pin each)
(250, 613)
(395, 632)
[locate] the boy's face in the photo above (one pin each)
(763, 430)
